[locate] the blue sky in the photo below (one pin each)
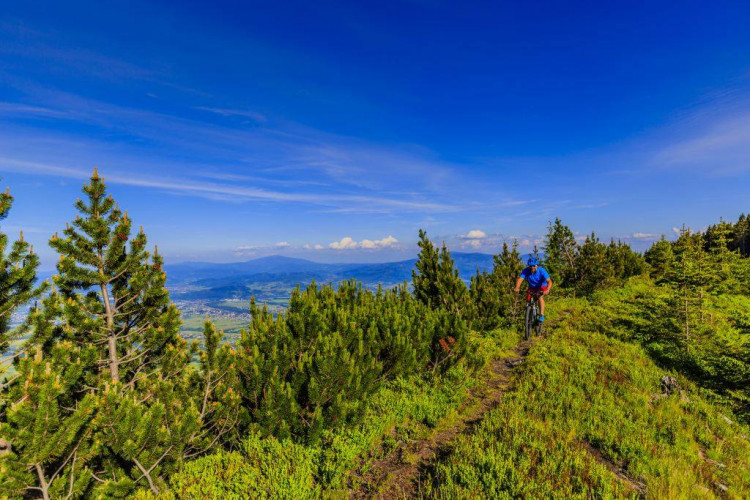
(334, 130)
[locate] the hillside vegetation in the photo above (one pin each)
(105, 400)
(588, 413)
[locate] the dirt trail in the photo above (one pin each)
(393, 477)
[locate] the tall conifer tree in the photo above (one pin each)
(741, 236)
(493, 294)
(690, 273)
(593, 267)
(660, 258)
(110, 368)
(436, 280)
(507, 268)
(425, 276)
(560, 254)
(437, 284)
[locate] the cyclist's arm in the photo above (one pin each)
(518, 283)
(549, 284)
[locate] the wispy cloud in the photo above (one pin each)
(307, 165)
(223, 176)
(289, 147)
(254, 115)
(16, 109)
(258, 250)
(214, 190)
(721, 146)
(586, 206)
(644, 236)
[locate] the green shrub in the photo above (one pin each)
(314, 366)
(264, 468)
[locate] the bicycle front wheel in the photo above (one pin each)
(529, 321)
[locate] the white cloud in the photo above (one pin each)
(474, 234)
(388, 241)
(282, 244)
(676, 230)
(644, 236)
(347, 243)
(318, 246)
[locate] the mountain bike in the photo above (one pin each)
(533, 311)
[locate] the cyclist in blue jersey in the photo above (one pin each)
(539, 281)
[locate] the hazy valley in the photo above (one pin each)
(222, 291)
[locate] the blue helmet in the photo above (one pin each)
(533, 261)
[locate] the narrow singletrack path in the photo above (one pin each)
(393, 477)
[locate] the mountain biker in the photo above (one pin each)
(538, 279)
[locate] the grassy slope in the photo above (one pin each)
(583, 395)
(403, 410)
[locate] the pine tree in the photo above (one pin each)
(560, 255)
(741, 236)
(690, 273)
(720, 234)
(110, 333)
(436, 280)
(50, 423)
(493, 294)
(312, 366)
(122, 288)
(452, 290)
(17, 276)
(593, 266)
(425, 276)
(725, 264)
(660, 258)
(624, 261)
(485, 298)
(437, 284)
(506, 269)
(217, 390)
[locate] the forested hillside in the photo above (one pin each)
(640, 387)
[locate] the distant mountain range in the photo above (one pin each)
(274, 277)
